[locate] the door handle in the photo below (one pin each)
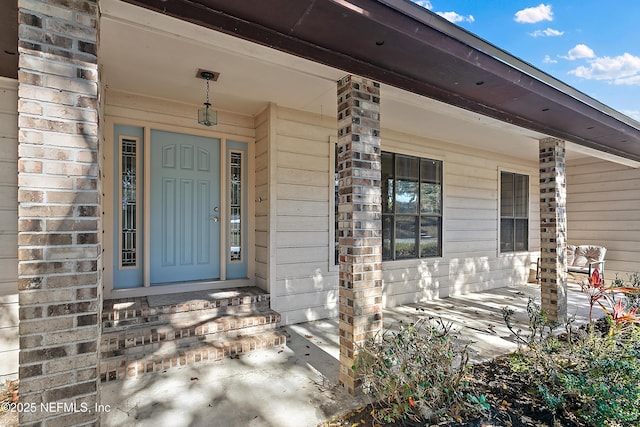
(214, 218)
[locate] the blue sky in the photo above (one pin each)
(591, 45)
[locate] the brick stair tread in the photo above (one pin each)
(182, 317)
(185, 301)
(121, 366)
(128, 312)
(129, 339)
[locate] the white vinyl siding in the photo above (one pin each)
(306, 285)
(603, 208)
(9, 338)
(262, 125)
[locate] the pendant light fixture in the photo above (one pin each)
(206, 115)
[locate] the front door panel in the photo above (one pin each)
(184, 210)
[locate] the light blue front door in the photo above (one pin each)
(185, 207)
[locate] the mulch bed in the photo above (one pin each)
(507, 393)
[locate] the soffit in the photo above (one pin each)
(393, 42)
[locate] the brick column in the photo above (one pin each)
(359, 219)
(553, 228)
(59, 230)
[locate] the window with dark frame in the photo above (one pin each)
(411, 207)
(514, 212)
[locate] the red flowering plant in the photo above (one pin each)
(612, 299)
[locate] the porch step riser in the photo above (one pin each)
(214, 307)
(129, 366)
(151, 339)
(123, 323)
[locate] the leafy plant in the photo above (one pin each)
(612, 299)
(416, 373)
(632, 282)
(590, 371)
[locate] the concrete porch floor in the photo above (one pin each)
(297, 385)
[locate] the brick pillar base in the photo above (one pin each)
(359, 220)
(553, 228)
(59, 230)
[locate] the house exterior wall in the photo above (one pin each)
(129, 108)
(263, 128)
(306, 285)
(306, 277)
(603, 208)
(470, 260)
(9, 343)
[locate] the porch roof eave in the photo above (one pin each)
(403, 45)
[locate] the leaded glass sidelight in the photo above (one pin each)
(129, 202)
(235, 206)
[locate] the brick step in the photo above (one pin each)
(120, 314)
(133, 365)
(151, 338)
(180, 318)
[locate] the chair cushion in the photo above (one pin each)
(585, 254)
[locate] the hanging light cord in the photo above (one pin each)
(207, 104)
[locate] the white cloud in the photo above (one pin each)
(449, 16)
(633, 80)
(455, 17)
(549, 32)
(547, 60)
(424, 3)
(634, 114)
(621, 70)
(579, 51)
(531, 15)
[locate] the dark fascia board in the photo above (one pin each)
(458, 33)
(310, 31)
(9, 39)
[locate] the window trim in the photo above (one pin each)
(500, 217)
(334, 261)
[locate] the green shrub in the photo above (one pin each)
(416, 373)
(593, 371)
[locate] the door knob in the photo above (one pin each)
(214, 218)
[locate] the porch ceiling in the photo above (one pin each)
(405, 46)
